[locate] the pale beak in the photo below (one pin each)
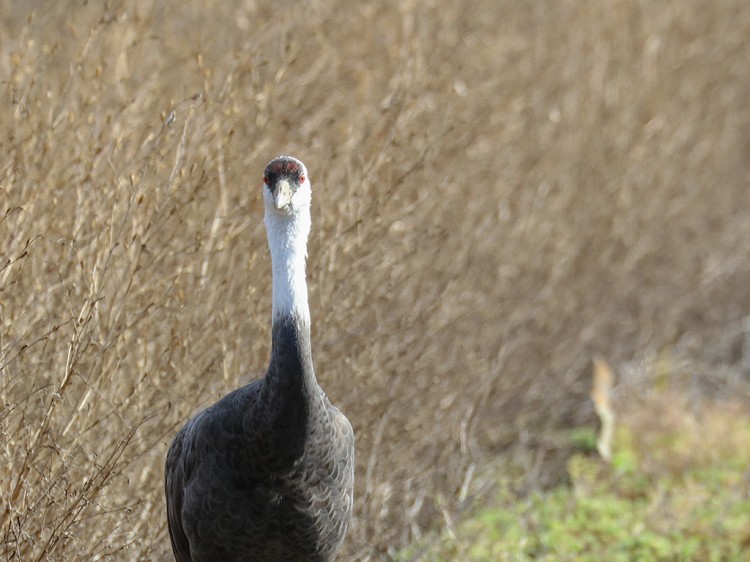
(282, 196)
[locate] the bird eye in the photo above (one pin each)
(265, 180)
(302, 179)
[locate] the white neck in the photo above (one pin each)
(287, 240)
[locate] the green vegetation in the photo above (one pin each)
(678, 490)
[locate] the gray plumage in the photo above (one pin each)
(266, 473)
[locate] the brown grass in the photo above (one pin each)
(502, 190)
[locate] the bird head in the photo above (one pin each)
(286, 187)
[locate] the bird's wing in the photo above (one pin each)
(344, 454)
(174, 482)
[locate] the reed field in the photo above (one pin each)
(502, 191)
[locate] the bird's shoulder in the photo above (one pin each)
(216, 428)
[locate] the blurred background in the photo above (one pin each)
(502, 192)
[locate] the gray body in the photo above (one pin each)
(266, 473)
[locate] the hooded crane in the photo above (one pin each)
(266, 473)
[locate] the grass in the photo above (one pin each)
(679, 491)
(502, 191)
